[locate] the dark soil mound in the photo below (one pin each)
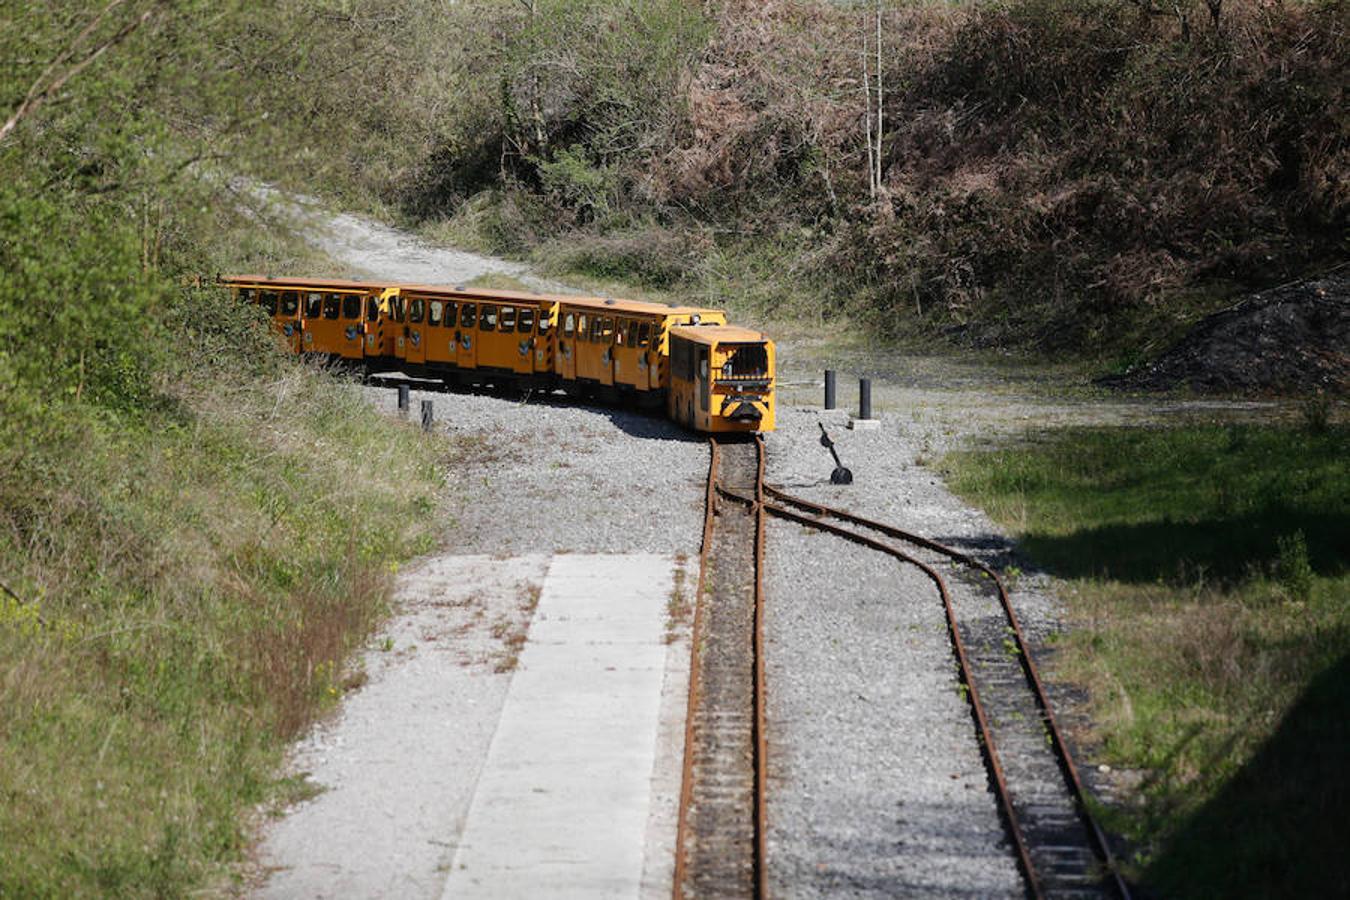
(1293, 339)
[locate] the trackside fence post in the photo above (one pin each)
(403, 398)
(864, 398)
(829, 389)
(427, 415)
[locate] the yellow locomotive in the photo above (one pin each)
(710, 376)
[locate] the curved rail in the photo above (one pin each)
(987, 747)
(1060, 748)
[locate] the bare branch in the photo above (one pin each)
(39, 92)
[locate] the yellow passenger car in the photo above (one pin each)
(474, 335)
(721, 379)
(617, 348)
(332, 317)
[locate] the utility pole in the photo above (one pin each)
(867, 116)
(879, 98)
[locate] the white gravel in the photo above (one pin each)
(878, 787)
(396, 770)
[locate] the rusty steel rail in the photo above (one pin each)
(761, 761)
(1060, 748)
(987, 748)
(687, 772)
(758, 736)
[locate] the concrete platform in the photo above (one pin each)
(562, 804)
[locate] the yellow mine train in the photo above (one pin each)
(710, 376)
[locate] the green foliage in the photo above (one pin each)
(1292, 568)
(1205, 575)
(177, 521)
(1215, 162)
(78, 302)
(570, 177)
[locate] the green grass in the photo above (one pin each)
(195, 533)
(191, 584)
(1205, 572)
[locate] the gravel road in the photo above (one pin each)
(877, 785)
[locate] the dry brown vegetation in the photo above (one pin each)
(1055, 175)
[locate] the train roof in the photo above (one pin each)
(476, 293)
(637, 307)
(718, 334)
(631, 307)
(283, 282)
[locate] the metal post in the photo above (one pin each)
(403, 398)
(864, 398)
(426, 415)
(829, 388)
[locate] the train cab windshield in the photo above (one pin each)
(747, 362)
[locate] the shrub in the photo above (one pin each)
(1293, 567)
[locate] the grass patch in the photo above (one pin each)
(191, 584)
(195, 531)
(1206, 577)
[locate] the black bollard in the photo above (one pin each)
(864, 398)
(829, 389)
(403, 398)
(426, 415)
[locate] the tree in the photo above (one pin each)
(77, 56)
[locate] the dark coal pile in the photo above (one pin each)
(1293, 339)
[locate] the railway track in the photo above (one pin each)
(720, 843)
(1060, 849)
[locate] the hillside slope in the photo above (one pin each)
(1080, 178)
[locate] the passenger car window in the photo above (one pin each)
(451, 311)
(372, 309)
(543, 321)
(415, 309)
(488, 320)
(582, 334)
(525, 324)
(244, 295)
(313, 305)
(268, 301)
(351, 306)
(468, 315)
(434, 310)
(644, 334)
(290, 303)
(508, 318)
(396, 308)
(332, 305)
(632, 340)
(569, 325)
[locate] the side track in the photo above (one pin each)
(721, 833)
(1061, 850)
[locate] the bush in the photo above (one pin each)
(1293, 568)
(653, 257)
